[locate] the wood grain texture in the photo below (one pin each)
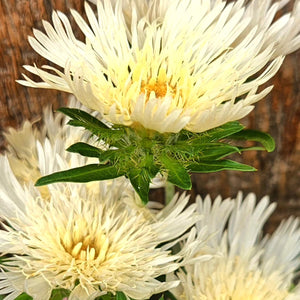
(18, 18)
(278, 173)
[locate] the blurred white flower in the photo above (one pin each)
(167, 65)
(41, 148)
(33, 142)
(247, 266)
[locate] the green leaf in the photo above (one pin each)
(120, 296)
(217, 151)
(207, 151)
(81, 116)
(257, 136)
(82, 174)
(140, 181)
(104, 156)
(141, 176)
(59, 294)
(219, 165)
(169, 296)
(149, 164)
(85, 150)
(177, 174)
(218, 133)
(23, 297)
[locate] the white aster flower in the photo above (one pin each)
(84, 243)
(247, 266)
(167, 65)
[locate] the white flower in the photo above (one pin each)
(98, 243)
(167, 65)
(284, 31)
(247, 266)
(81, 237)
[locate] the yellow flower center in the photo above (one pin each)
(159, 88)
(85, 244)
(159, 85)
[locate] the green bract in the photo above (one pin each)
(140, 154)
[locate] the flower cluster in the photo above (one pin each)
(164, 83)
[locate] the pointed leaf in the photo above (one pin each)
(218, 133)
(219, 165)
(140, 181)
(177, 174)
(82, 116)
(206, 151)
(104, 156)
(225, 130)
(257, 136)
(82, 174)
(217, 152)
(85, 150)
(103, 133)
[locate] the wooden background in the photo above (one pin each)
(278, 173)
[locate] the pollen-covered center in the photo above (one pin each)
(159, 88)
(159, 85)
(85, 242)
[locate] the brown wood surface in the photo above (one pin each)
(278, 173)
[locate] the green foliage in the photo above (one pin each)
(23, 297)
(217, 133)
(169, 296)
(80, 118)
(140, 181)
(86, 150)
(139, 154)
(221, 165)
(120, 296)
(257, 136)
(82, 174)
(177, 173)
(59, 294)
